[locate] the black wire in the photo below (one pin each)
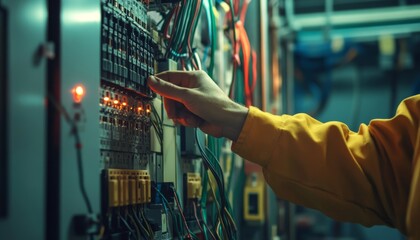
(78, 145)
(127, 225)
(209, 164)
(80, 169)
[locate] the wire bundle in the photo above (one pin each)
(135, 222)
(180, 36)
(157, 124)
(225, 222)
(211, 21)
(244, 55)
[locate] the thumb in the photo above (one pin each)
(166, 89)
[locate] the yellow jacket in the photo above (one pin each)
(370, 177)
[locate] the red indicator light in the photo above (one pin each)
(78, 93)
(79, 90)
(116, 101)
(106, 99)
(124, 104)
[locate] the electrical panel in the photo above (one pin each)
(127, 60)
(152, 183)
(126, 108)
(144, 195)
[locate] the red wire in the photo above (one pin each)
(244, 10)
(211, 233)
(236, 6)
(192, 24)
(254, 71)
(182, 214)
(189, 34)
(246, 52)
(196, 218)
(165, 30)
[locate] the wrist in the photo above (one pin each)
(234, 121)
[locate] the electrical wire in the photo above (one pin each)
(149, 228)
(135, 225)
(208, 229)
(165, 202)
(126, 224)
(143, 228)
(196, 217)
(78, 146)
(182, 214)
(80, 169)
(180, 37)
(203, 202)
(213, 165)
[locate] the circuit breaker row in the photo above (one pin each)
(125, 122)
(128, 187)
(135, 10)
(127, 47)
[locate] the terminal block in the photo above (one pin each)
(127, 187)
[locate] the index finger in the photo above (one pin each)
(179, 78)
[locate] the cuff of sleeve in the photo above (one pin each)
(258, 136)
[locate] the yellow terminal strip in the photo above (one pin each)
(113, 194)
(128, 187)
(138, 188)
(145, 186)
(120, 188)
(125, 188)
(132, 185)
(142, 188)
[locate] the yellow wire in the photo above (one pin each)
(218, 209)
(101, 232)
(231, 219)
(217, 227)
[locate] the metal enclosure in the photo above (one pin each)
(43, 176)
(80, 35)
(3, 111)
(26, 117)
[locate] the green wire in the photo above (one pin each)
(214, 38)
(174, 216)
(203, 201)
(179, 35)
(196, 21)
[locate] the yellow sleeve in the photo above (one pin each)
(361, 177)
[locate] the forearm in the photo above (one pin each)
(314, 164)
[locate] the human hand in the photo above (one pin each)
(194, 100)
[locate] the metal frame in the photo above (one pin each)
(3, 113)
(380, 15)
(52, 207)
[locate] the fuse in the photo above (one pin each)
(133, 189)
(113, 193)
